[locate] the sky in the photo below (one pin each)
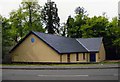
(67, 7)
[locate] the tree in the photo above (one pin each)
(27, 18)
(95, 27)
(101, 27)
(74, 28)
(50, 17)
(70, 27)
(21, 21)
(82, 26)
(32, 16)
(6, 39)
(63, 30)
(114, 33)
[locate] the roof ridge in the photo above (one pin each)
(51, 34)
(90, 38)
(82, 45)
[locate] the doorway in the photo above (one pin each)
(92, 57)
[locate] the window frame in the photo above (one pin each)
(32, 40)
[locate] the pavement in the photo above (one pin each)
(61, 67)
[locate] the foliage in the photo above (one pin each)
(74, 24)
(63, 30)
(32, 16)
(50, 17)
(95, 27)
(83, 26)
(25, 19)
(6, 36)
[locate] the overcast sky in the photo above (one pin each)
(67, 7)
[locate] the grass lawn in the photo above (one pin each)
(78, 64)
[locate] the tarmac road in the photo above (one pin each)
(73, 74)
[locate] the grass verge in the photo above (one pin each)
(70, 64)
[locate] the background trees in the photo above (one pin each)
(27, 18)
(32, 17)
(21, 21)
(50, 17)
(75, 24)
(83, 26)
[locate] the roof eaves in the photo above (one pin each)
(20, 42)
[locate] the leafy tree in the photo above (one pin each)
(21, 21)
(70, 26)
(114, 34)
(6, 39)
(74, 28)
(50, 17)
(63, 30)
(25, 19)
(32, 16)
(83, 26)
(95, 27)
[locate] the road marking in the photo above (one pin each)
(63, 75)
(115, 74)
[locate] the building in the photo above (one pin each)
(47, 48)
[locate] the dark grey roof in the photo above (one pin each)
(90, 44)
(61, 44)
(67, 45)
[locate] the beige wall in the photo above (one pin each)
(101, 55)
(64, 58)
(34, 52)
(81, 57)
(73, 57)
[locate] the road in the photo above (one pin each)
(78, 74)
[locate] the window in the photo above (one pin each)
(68, 57)
(32, 40)
(77, 57)
(83, 56)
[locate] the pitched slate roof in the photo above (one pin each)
(90, 44)
(67, 45)
(61, 44)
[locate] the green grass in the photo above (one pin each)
(47, 64)
(104, 62)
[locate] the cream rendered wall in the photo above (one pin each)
(73, 57)
(87, 57)
(34, 52)
(64, 58)
(101, 55)
(81, 57)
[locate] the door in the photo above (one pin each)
(92, 57)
